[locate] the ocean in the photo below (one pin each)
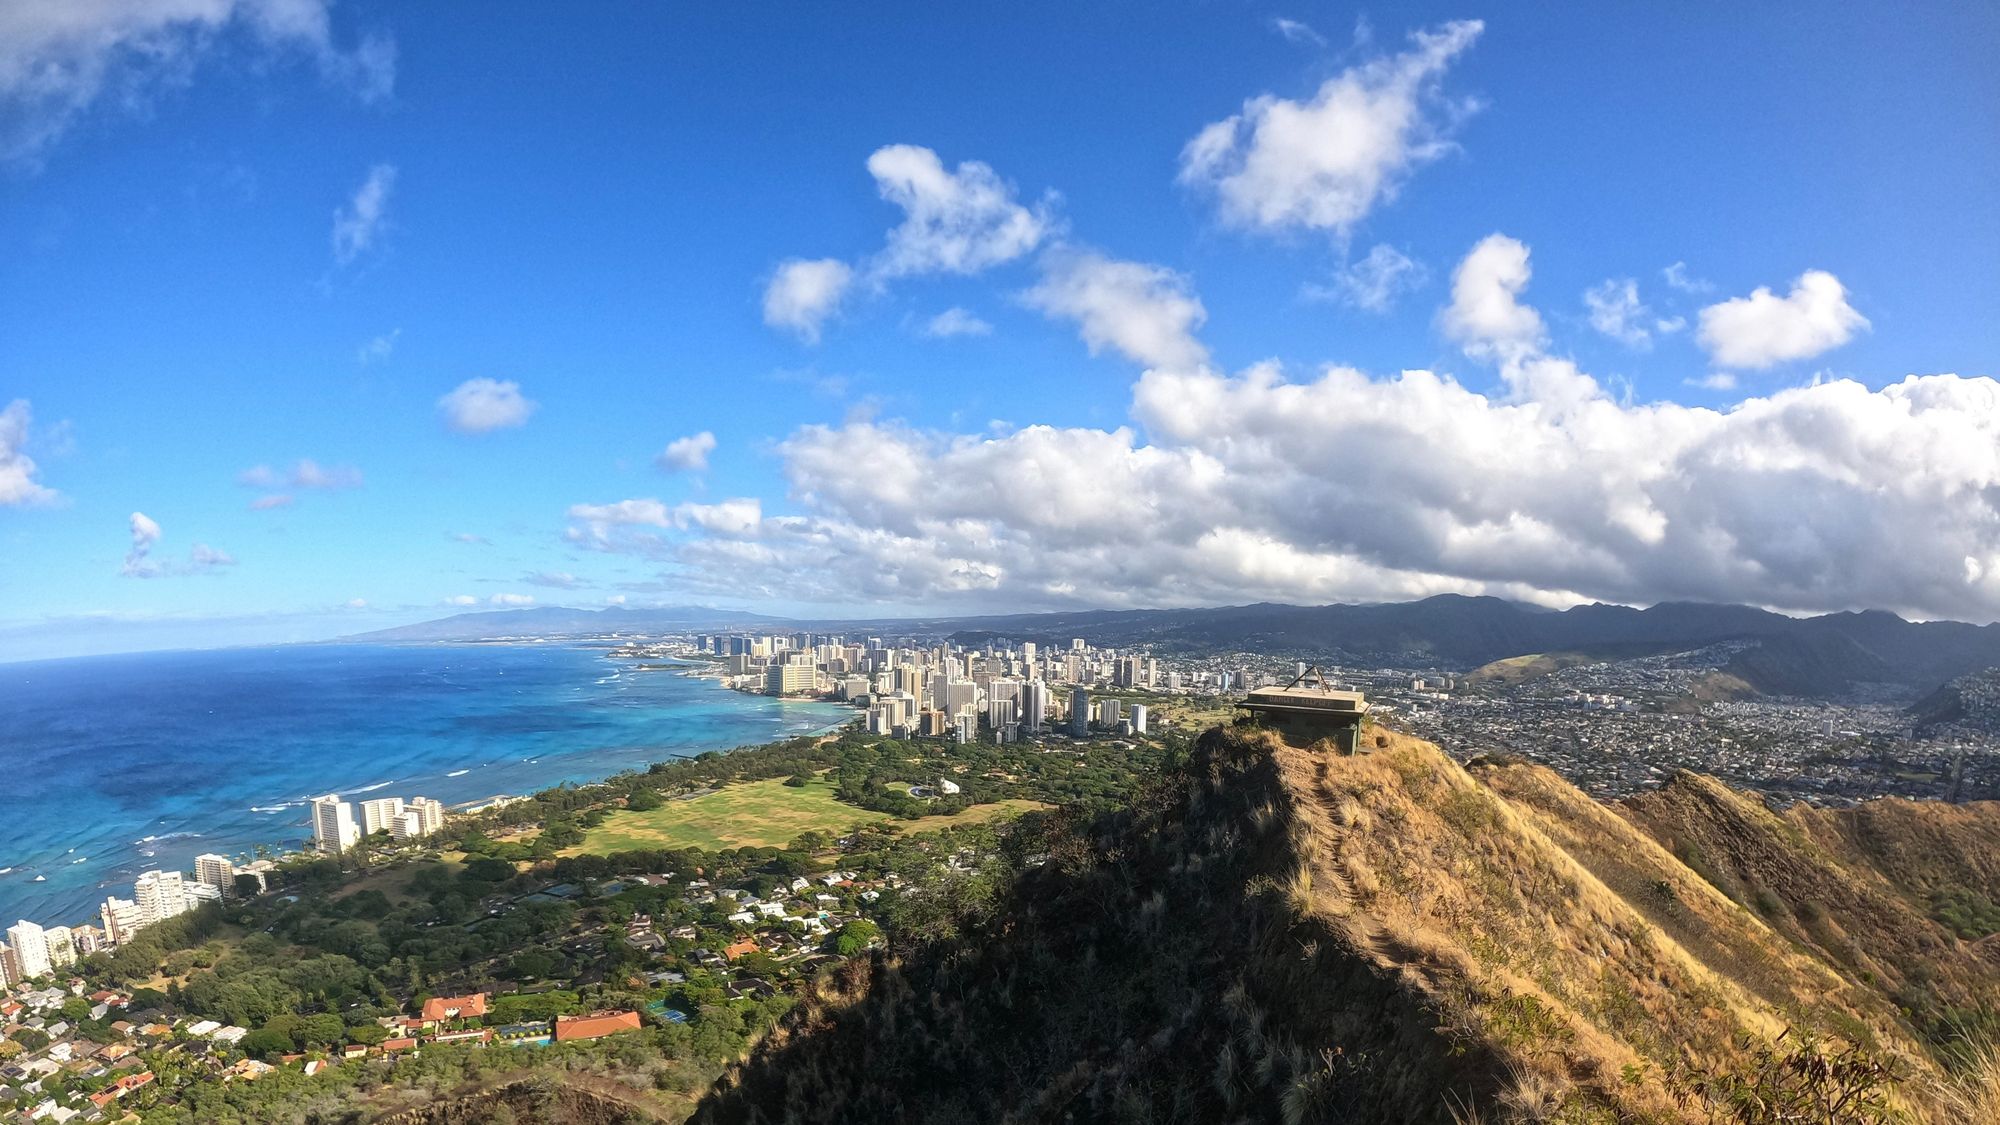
(113, 765)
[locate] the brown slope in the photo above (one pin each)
(1280, 934)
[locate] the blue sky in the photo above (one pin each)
(288, 232)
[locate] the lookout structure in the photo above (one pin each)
(1310, 709)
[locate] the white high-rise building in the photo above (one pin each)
(421, 817)
(31, 948)
(1034, 705)
(61, 946)
(333, 825)
(159, 895)
(121, 919)
(379, 815)
(216, 871)
(1139, 718)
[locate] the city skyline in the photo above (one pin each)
(329, 322)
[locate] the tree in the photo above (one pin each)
(643, 800)
(248, 886)
(855, 936)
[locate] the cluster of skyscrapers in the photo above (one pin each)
(945, 691)
(336, 828)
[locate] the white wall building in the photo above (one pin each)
(216, 871)
(160, 895)
(334, 830)
(379, 815)
(31, 948)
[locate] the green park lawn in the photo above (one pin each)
(756, 814)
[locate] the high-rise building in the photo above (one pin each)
(31, 947)
(159, 895)
(216, 871)
(89, 939)
(61, 946)
(429, 814)
(121, 919)
(333, 825)
(10, 966)
(1139, 718)
(380, 814)
(1079, 712)
(1034, 705)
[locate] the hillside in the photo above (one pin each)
(1278, 934)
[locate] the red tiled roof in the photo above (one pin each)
(398, 1044)
(747, 945)
(594, 1025)
(455, 1007)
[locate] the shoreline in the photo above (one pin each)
(238, 833)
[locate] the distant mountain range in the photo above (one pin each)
(562, 621)
(1815, 656)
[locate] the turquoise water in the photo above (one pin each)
(106, 759)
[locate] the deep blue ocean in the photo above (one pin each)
(111, 765)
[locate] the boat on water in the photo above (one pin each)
(41, 878)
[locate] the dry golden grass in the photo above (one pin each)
(1544, 927)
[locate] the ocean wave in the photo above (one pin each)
(458, 773)
(368, 788)
(268, 809)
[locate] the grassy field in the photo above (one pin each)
(758, 814)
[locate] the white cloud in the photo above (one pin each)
(139, 563)
(270, 503)
(554, 579)
(378, 349)
(357, 603)
(1486, 317)
(614, 599)
(1297, 32)
(1676, 277)
(1325, 163)
(60, 58)
(959, 222)
(1764, 329)
(359, 223)
(461, 600)
(1616, 310)
(479, 406)
(145, 533)
(468, 538)
(956, 322)
(1341, 486)
(687, 454)
(1714, 381)
(510, 600)
(803, 293)
(18, 486)
(1374, 282)
(305, 473)
(1147, 312)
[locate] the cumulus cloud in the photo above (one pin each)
(479, 406)
(273, 502)
(1324, 163)
(1146, 312)
(803, 293)
(461, 600)
(1374, 282)
(358, 224)
(1764, 329)
(958, 222)
(686, 454)
(956, 322)
(18, 486)
(955, 221)
(511, 600)
(1486, 316)
(145, 535)
(1338, 484)
(1616, 310)
(468, 538)
(59, 59)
